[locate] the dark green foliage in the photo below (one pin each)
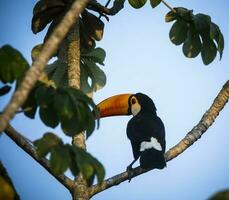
(137, 3)
(13, 65)
(64, 156)
(68, 106)
(197, 34)
(178, 32)
(155, 3)
(90, 69)
(222, 195)
(46, 11)
(46, 143)
(192, 45)
(140, 3)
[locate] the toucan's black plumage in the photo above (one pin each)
(145, 130)
(147, 134)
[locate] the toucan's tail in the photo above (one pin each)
(151, 159)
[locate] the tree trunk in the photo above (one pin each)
(80, 191)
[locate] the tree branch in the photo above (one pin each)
(206, 121)
(103, 10)
(28, 148)
(35, 71)
(168, 6)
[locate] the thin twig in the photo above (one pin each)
(35, 71)
(206, 121)
(168, 6)
(28, 148)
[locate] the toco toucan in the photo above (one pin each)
(145, 129)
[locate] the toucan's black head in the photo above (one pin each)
(141, 103)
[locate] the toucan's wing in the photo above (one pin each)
(143, 128)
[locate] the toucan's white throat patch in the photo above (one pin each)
(152, 144)
(135, 109)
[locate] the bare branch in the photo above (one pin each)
(35, 71)
(22, 142)
(192, 136)
(168, 6)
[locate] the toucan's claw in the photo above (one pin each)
(129, 170)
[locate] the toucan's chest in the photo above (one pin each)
(142, 128)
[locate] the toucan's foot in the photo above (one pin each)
(129, 170)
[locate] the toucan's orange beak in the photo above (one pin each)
(115, 105)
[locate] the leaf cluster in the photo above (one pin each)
(12, 67)
(69, 107)
(64, 157)
(197, 33)
(140, 3)
(51, 12)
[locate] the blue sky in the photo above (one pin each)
(140, 58)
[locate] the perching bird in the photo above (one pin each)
(145, 129)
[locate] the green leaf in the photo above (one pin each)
(84, 81)
(36, 51)
(155, 3)
(59, 159)
(208, 52)
(97, 76)
(30, 105)
(44, 95)
(4, 90)
(63, 105)
(137, 3)
(72, 126)
(184, 14)
(48, 116)
(13, 65)
(202, 22)
(96, 55)
(93, 26)
(216, 35)
(192, 45)
(220, 44)
(178, 32)
(46, 143)
(44, 12)
(89, 166)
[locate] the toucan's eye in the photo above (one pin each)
(133, 101)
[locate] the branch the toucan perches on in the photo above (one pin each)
(145, 130)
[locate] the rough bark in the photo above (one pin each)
(35, 71)
(206, 121)
(80, 189)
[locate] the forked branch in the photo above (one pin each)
(192, 136)
(28, 148)
(35, 71)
